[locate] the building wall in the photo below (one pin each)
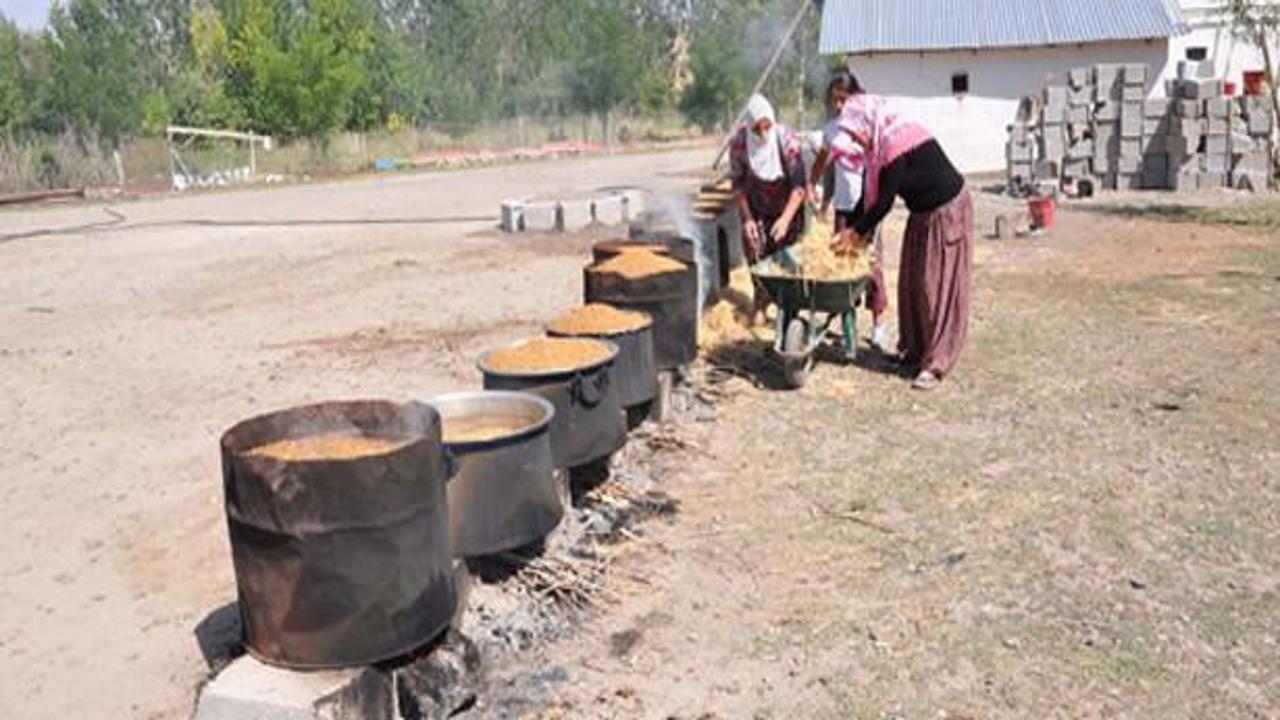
(972, 127)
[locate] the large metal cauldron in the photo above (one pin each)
(340, 562)
(671, 299)
(589, 423)
(635, 371)
(504, 495)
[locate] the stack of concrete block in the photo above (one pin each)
(1100, 126)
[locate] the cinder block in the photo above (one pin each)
(1158, 143)
(1257, 162)
(1053, 146)
(1134, 93)
(1053, 115)
(1155, 180)
(1077, 115)
(1103, 164)
(1077, 169)
(512, 216)
(1019, 151)
(1200, 89)
(1080, 150)
(1131, 121)
(1216, 163)
(1128, 164)
(1217, 145)
(1081, 97)
(1128, 180)
(1130, 147)
(1253, 103)
(608, 210)
(1218, 107)
(1079, 131)
(250, 690)
(1046, 170)
(1260, 124)
(1106, 111)
(1182, 181)
(1155, 162)
(575, 214)
(1188, 108)
(635, 203)
(1218, 126)
(1211, 180)
(1245, 144)
(1135, 74)
(542, 217)
(1079, 77)
(1157, 108)
(1251, 182)
(1106, 73)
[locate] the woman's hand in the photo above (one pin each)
(781, 228)
(847, 242)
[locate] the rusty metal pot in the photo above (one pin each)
(504, 495)
(340, 563)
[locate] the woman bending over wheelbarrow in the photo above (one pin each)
(767, 169)
(848, 160)
(903, 159)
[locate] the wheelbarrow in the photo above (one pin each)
(806, 310)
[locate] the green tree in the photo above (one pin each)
(610, 61)
(13, 100)
(94, 48)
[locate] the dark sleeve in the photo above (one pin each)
(890, 181)
(738, 164)
(793, 164)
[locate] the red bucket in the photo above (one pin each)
(1042, 210)
(1229, 88)
(1254, 82)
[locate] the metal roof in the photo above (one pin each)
(864, 26)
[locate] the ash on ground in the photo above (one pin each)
(523, 599)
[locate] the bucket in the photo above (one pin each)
(1255, 82)
(1042, 211)
(1229, 88)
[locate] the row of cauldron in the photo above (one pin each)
(347, 562)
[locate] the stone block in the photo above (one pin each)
(1257, 162)
(1134, 93)
(1103, 163)
(1020, 151)
(1156, 108)
(1188, 108)
(1218, 126)
(608, 210)
(1218, 107)
(1046, 170)
(1080, 150)
(1018, 132)
(1217, 145)
(1081, 97)
(575, 214)
(1211, 180)
(1107, 111)
(1053, 114)
(1053, 146)
(1077, 115)
(542, 217)
(1107, 73)
(1131, 120)
(1077, 169)
(1128, 164)
(1079, 77)
(1199, 89)
(251, 690)
(512, 219)
(1130, 147)
(1251, 182)
(1260, 124)
(1180, 181)
(1216, 163)
(1134, 74)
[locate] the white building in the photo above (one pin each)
(961, 66)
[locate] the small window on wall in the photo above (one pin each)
(1197, 54)
(960, 83)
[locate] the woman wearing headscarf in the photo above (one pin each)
(904, 160)
(846, 160)
(767, 169)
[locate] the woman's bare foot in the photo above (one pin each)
(926, 380)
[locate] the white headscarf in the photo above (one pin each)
(766, 160)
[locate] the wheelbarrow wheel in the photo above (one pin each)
(797, 359)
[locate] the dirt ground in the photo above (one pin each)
(1082, 523)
